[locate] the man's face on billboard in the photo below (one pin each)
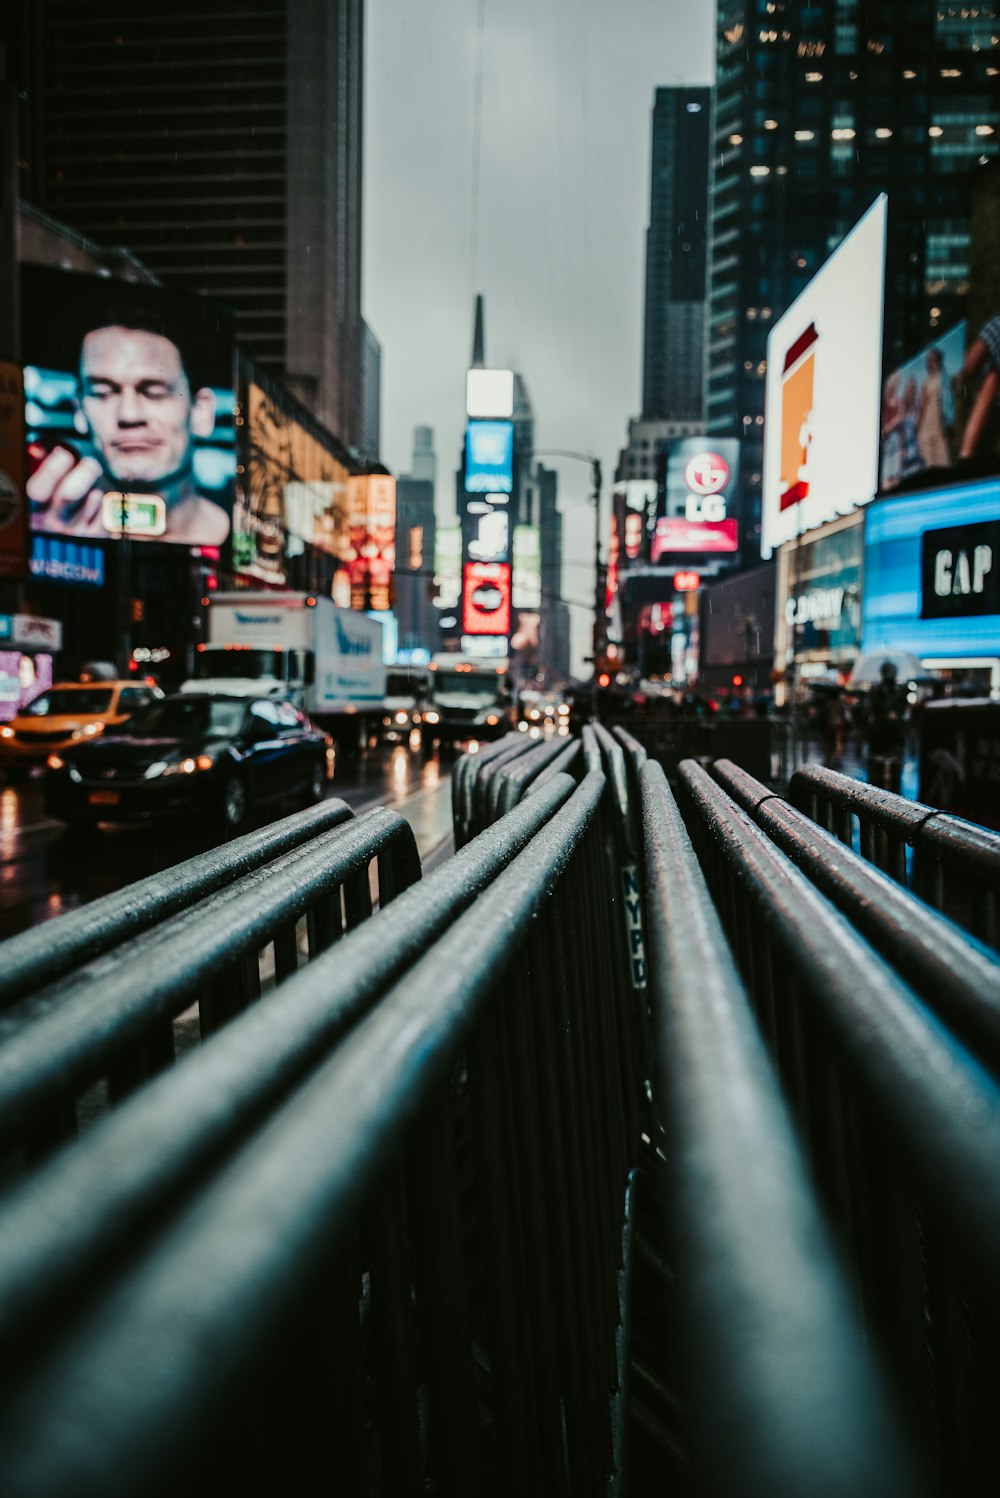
(138, 405)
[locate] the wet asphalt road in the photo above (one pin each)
(42, 873)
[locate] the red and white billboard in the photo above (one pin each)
(486, 598)
(706, 536)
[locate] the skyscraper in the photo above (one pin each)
(224, 148)
(819, 108)
(416, 535)
(676, 240)
(371, 395)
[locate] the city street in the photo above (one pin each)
(43, 873)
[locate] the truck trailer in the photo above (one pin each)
(328, 660)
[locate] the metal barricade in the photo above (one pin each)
(902, 1127)
(38, 956)
(371, 1237)
(780, 1394)
(954, 865)
(112, 1023)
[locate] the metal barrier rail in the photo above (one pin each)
(113, 1021)
(513, 780)
(37, 957)
(228, 1350)
(958, 978)
(955, 866)
(782, 1395)
(902, 1126)
(463, 778)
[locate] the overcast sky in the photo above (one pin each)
(558, 246)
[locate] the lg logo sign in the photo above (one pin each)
(706, 476)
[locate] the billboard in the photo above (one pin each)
(489, 535)
(702, 478)
(291, 493)
(129, 410)
(486, 598)
(448, 566)
(55, 560)
(932, 573)
(822, 394)
(526, 584)
(490, 393)
(13, 506)
(919, 415)
(941, 410)
(489, 457)
(710, 537)
(372, 552)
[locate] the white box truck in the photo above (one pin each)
(327, 659)
(470, 698)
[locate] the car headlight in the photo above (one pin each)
(431, 718)
(402, 717)
(56, 762)
(185, 766)
(88, 731)
(492, 720)
(6, 733)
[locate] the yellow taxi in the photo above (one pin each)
(68, 713)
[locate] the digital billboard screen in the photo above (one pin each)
(702, 478)
(486, 598)
(932, 573)
(526, 582)
(129, 410)
(708, 537)
(489, 457)
(372, 555)
(821, 420)
(919, 414)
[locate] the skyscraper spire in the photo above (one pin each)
(479, 335)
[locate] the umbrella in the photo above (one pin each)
(867, 669)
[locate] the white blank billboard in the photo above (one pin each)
(824, 371)
(490, 393)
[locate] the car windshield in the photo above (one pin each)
(187, 718)
(70, 702)
(465, 684)
(401, 684)
(251, 665)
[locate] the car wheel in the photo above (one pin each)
(234, 803)
(315, 785)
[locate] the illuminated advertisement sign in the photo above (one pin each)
(13, 506)
(526, 586)
(60, 561)
(486, 598)
(490, 393)
(448, 566)
(489, 539)
(822, 396)
(707, 536)
(292, 493)
(489, 457)
(22, 679)
(129, 411)
(702, 478)
(960, 571)
(372, 555)
(932, 573)
(919, 412)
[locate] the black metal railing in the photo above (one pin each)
(371, 1236)
(902, 1127)
(776, 1387)
(82, 1041)
(954, 865)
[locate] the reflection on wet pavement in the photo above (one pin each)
(43, 872)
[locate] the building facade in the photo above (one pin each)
(676, 247)
(818, 109)
(371, 392)
(226, 151)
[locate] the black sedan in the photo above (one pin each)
(191, 753)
